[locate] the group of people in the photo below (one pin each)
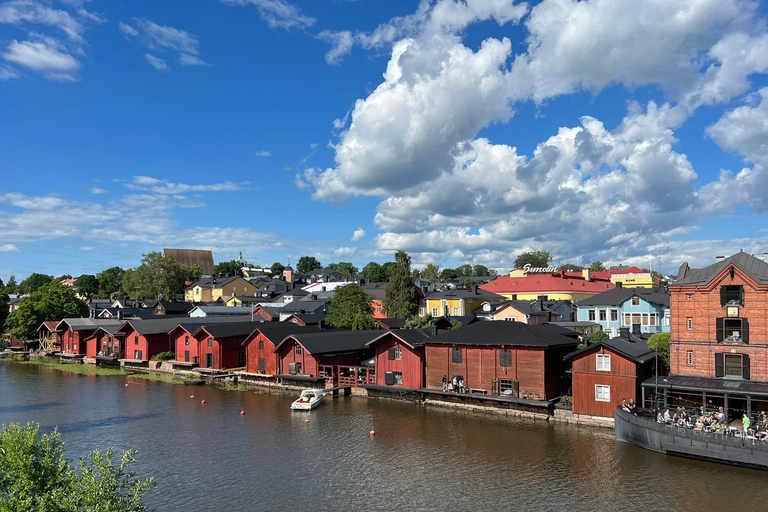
(456, 385)
(715, 422)
(630, 406)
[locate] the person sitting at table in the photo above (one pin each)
(660, 417)
(667, 417)
(632, 405)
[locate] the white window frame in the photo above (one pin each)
(614, 315)
(398, 354)
(435, 312)
(601, 391)
(689, 358)
(603, 362)
(689, 322)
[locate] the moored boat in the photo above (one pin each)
(194, 382)
(309, 399)
(646, 432)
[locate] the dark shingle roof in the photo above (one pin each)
(618, 296)
(392, 323)
(88, 324)
(277, 331)
(310, 318)
(463, 320)
(375, 290)
(755, 268)
(213, 282)
(175, 307)
(636, 349)
(303, 305)
(503, 333)
(229, 330)
(334, 341)
(413, 337)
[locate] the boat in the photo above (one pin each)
(644, 431)
(309, 399)
(194, 382)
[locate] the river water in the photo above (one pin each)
(209, 457)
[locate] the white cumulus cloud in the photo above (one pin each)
(358, 234)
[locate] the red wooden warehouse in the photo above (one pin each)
(74, 331)
(146, 338)
(525, 361)
(184, 342)
(399, 357)
(305, 353)
(260, 356)
(607, 372)
(221, 344)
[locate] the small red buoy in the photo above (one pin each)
(202, 401)
(306, 421)
(126, 385)
(242, 413)
(373, 432)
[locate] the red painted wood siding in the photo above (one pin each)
(411, 365)
(149, 345)
(179, 338)
(287, 354)
(72, 341)
(253, 354)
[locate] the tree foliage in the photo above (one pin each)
(191, 273)
(374, 273)
(388, 268)
(34, 282)
(659, 343)
(307, 264)
(400, 296)
(570, 267)
(87, 285)
(53, 301)
(430, 272)
(158, 277)
(277, 268)
(351, 309)
(35, 476)
(482, 270)
(466, 282)
(420, 322)
(11, 287)
(231, 268)
(345, 268)
(533, 258)
(597, 266)
(598, 336)
(455, 324)
(110, 282)
(449, 273)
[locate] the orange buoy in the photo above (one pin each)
(373, 432)
(242, 413)
(306, 421)
(202, 401)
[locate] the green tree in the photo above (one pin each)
(232, 268)
(449, 273)
(62, 277)
(570, 267)
(53, 301)
(87, 285)
(276, 270)
(400, 296)
(35, 476)
(374, 273)
(597, 266)
(430, 272)
(158, 277)
(466, 282)
(110, 281)
(351, 309)
(307, 264)
(388, 268)
(598, 336)
(659, 343)
(11, 286)
(537, 259)
(420, 322)
(455, 324)
(482, 270)
(465, 270)
(34, 281)
(3, 306)
(191, 274)
(345, 268)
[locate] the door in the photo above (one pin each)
(209, 360)
(241, 359)
(186, 356)
(262, 365)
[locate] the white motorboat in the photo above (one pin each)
(309, 399)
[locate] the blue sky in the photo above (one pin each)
(459, 131)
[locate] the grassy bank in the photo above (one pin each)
(89, 369)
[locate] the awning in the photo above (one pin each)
(704, 385)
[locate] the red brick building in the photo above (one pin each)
(496, 356)
(719, 336)
(605, 373)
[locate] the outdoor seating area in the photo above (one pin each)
(714, 422)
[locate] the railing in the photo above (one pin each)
(328, 373)
(356, 375)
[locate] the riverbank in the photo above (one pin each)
(87, 369)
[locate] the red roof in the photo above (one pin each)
(562, 282)
(51, 325)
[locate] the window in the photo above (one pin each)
(395, 354)
(510, 319)
(399, 378)
(506, 384)
(422, 311)
(505, 358)
(135, 340)
(635, 301)
(689, 322)
(456, 355)
(74, 346)
(455, 311)
(733, 365)
(591, 315)
(732, 329)
(378, 307)
(186, 340)
(298, 349)
(298, 368)
(731, 294)
(689, 358)
(245, 289)
(690, 296)
(234, 289)
(137, 354)
(602, 393)
(210, 342)
(261, 344)
(614, 315)
(434, 312)
(603, 315)
(603, 363)
(652, 319)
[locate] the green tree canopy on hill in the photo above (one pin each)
(570, 267)
(232, 268)
(431, 272)
(276, 270)
(345, 268)
(374, 273)
(87, 285)
(597, 266)
(659, 343)
(158, 277)
(110, 281)
(420, 322)
(351, 309)
(537, 259)
(35, 476)
(598, 336)
(34, 282)
(400, 295)
(52, 301)
(307, 264)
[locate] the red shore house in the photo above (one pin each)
(74, 331)
(220, 345)
(399, 357)
(498, 356)
(607, 372)
(106, 341)
(260, 356)
(146, 338)
(334, 355)
(266, 313)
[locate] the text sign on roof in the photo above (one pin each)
(528, 269)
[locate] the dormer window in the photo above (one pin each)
(732, 295)
(635, 301)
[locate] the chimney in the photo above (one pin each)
(585, 274)
(541, 299)
(119, 314)
(474, 289)
(618, 284)
(434, 330)
(624, 333)
(321, 324)
(636, 329)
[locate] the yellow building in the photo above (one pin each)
(210, 289)
(459, 302)
(241, 301)
(634, 277)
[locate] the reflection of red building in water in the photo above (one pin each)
(719, 337)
